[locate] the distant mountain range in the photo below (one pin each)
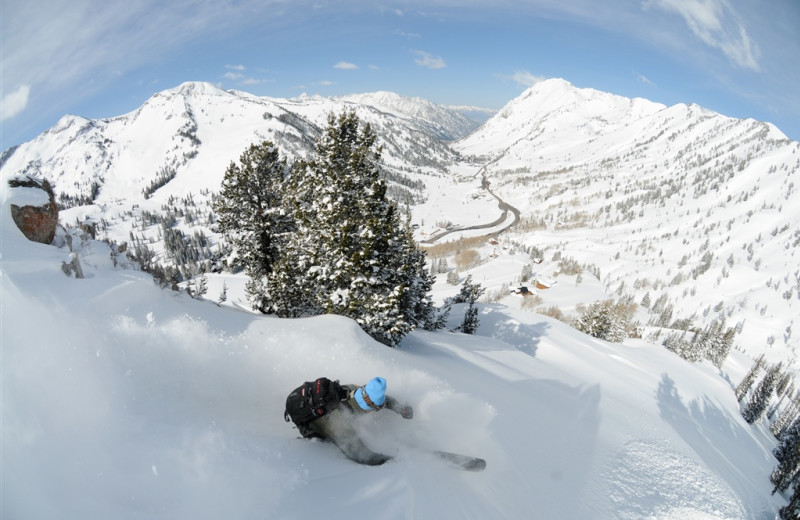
(679, 201)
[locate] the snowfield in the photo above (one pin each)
(121, 400)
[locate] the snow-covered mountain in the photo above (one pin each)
(194, 131)
(672, 204)
(676, 201)
(447, 123)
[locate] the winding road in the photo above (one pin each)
(501, 204)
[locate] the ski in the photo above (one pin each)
(464, 462)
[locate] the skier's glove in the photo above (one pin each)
(407, 412)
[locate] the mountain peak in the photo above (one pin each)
(197, 88)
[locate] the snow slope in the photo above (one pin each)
(121, 400)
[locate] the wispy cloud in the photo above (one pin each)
(67, 51)
(717, 25)
(429, 61)
(242, 79)
(644, 79)
(408, 35)
(524, 78)
(14, 103)
(345, 65)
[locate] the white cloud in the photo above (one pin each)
(427, 60)
(344, 65)
(525, 78)
(14, 103)
(644, 79)
(717, 25)
(235, 67)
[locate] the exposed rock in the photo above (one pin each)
(36, 221)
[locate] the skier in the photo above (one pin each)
(338, 408)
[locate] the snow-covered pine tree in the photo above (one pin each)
(759, 402)
(792, 510)
(749, 378)
(471, 322)
(253, 218)
(788, 454)
(418, 301)
(452, 277)
(601, 321)
(789, 414)
(470, 292)
(677, 343)
(350, 255)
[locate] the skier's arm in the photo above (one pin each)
(405, 410)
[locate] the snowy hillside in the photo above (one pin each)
(121, 400)
(674, 202)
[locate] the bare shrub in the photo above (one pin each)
(467, 259)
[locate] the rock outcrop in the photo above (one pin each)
(36, 215)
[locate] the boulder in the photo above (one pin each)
(36, 211)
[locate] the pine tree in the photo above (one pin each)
(350, 255)
(792, 510)
(470, 291)
(452, 277)
(748, 380)
(253, 218)
(686, 349)
(471, 322)
(223, 295)
(200, 286)
(788, 454)
(469, 294)
(601, 320)
(786, 418)
(759, 402)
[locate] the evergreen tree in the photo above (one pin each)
(350, 255)
(748, 380)
(469, 294)
(788, 454)
(792, 510)
(200, 286)
(253, 218)
(786, 418)
(223, 295)
(686, 349)
(602, 321)
(759, 402)
(452, 277)
(471, 322)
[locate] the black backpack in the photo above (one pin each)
(311, 400)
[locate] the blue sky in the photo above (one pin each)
(102, 58)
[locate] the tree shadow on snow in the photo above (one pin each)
(723, 444)
(499, 325)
